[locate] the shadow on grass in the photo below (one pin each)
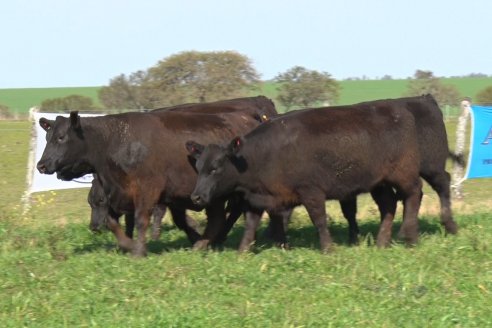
(304, 236)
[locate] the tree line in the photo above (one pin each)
(194, 76)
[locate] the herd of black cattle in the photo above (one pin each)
(240, 156)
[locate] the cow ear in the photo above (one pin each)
(194, 149)
(75, 120)
(235, 145)
(46, 124)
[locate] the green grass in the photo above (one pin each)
(56, 273)
(20, 100)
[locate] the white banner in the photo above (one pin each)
(43, 182)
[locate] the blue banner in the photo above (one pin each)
(480, 159)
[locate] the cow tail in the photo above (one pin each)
(457, 158)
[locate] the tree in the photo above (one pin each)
(300, 87)
(66, 104)
(485, 96)
(425, 82)
(194, 76)
(125, 92)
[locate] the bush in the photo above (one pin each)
(5, 113)
(67, 104)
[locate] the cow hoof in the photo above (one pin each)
(383, 244)
(201, 245)
(139, 251)
(284, 246)
(451, 227)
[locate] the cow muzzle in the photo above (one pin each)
(42, 168)
(197, 200)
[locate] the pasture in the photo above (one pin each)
(56, 273)
(352, 91)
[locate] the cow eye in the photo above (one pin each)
(61, 138)
(213, 171)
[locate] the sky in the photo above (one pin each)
(68, 43)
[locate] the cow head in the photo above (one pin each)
(218, 168)
(98, 202)
(65, 148)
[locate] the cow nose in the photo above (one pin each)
(41, 168)
(95, 228)
(196, 199)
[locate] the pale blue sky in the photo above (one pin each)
(54, 43)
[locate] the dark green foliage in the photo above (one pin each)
(67, 104)
(425, 82)
(300, 87)
(189, 76)
(5, 112)
(124, 92)
(484, 96)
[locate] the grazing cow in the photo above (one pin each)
(259, 108)
(140, 161)
(311, 155)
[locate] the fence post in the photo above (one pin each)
(26, 197)
(458, 169)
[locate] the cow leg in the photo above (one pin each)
(412, 195)
(349, 210)
(440, 183)
(142, 216)
(236, 207)
(215, 222)
(314, 202)
(277, 227)
(180, 220)
(270, 231)
(129, 225)
(386, 199)
(157, 215)
(123, 241)
(253, 218)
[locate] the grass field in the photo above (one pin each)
(20, 100)
(56, 273)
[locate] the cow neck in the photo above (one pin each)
(246, 169)
(97, 133)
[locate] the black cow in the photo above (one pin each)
(101, 211)
(140, 161)
(311, 155)
(259, 108)
(434, 151)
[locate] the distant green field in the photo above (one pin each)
(20, 100)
